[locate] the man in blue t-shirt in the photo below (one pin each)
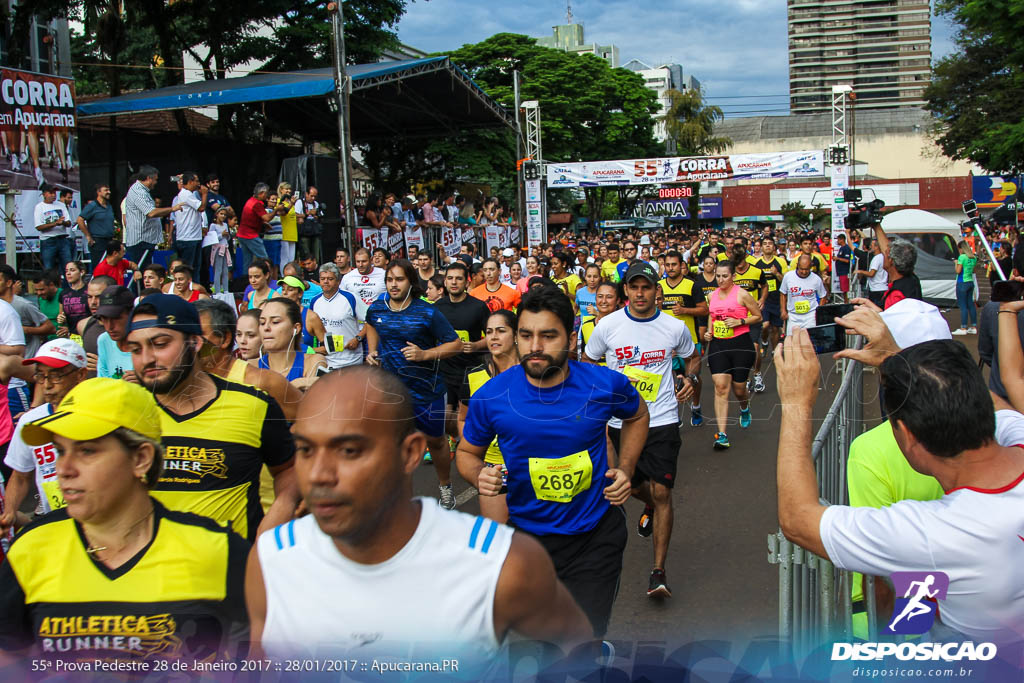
(549, 415)
(97, 224)
(408, 337)
(843, 256)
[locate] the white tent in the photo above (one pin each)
(935, 238)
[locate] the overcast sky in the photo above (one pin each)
(734, 48)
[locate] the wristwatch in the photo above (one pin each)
(694, 380)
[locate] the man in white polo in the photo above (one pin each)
(337, 309)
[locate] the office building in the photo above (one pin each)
(882, 48)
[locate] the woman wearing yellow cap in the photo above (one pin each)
(115, 574)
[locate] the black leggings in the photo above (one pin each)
(732, 357)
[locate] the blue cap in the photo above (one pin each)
(172, 313)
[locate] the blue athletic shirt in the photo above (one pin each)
(549, 424)
(583, 298)
(424, 326)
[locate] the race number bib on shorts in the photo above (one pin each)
(646, 383)
(802, 307)
(559, 480)
(722, 331)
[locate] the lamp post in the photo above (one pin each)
(341, 92)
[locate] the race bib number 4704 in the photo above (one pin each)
(559, 480)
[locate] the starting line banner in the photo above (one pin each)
(807, 164)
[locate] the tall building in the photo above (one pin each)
(569, 37)
(882, 48)
(661, 79)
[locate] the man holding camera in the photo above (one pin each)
(307, 215)
(188, 220)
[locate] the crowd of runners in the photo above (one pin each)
(213, 474)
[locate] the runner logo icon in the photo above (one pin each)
(914, 612)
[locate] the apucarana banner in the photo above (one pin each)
(37, 146)
(808, 164)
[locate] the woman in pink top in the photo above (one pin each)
(731, 312)
(532, 268)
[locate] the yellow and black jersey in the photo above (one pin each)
(476, 378)
(214, 455)
(180, 597)
(587, 329)
(706, 287)
(819, 264)
(687, 294)
(773, 282)
(752, 280)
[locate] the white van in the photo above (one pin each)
(936, 239)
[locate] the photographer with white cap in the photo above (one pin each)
(943, 422)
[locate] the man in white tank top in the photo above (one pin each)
(376, 575)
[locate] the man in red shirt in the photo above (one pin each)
(115, 264)
(253, 223)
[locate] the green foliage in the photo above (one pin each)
(690, 126)
(975, 93)
(273, 35)
(796, 215)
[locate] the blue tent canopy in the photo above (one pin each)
(406, 98)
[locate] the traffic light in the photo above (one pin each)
(531, 170)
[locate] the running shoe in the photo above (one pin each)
(745, 418)
(447, 497)
(758, 383)
(657, 587)
(721, 441)
(696, 417)
(427, 460)
(960, 331)
(39, 177)
(972, 330)
(15, 164)
(645, 527)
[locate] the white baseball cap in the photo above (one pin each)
(911, 321)
(645, 240)
(59, 353)
(509, 251)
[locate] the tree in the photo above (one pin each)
(690, 127)
(123, 39)
(796, 215)
(588, 110)
(975, 92)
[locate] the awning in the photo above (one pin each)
(407, 98)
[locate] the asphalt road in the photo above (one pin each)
(725, 507)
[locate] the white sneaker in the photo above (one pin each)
(960, 331)
(15, 164)
(39, 177)
(972, 330)
(447, 500)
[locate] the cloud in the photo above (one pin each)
(737, 49)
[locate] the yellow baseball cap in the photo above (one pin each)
(95, 408)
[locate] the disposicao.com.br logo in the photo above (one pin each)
(914, 614)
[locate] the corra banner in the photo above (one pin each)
(807, 164)
(35, 101)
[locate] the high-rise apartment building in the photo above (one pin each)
(882, 48)
(569, 37)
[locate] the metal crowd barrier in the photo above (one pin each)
(814, 597)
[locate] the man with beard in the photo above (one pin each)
(408, 337)
(218, 434)
(549, 415)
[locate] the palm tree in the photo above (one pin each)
(689, 129)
